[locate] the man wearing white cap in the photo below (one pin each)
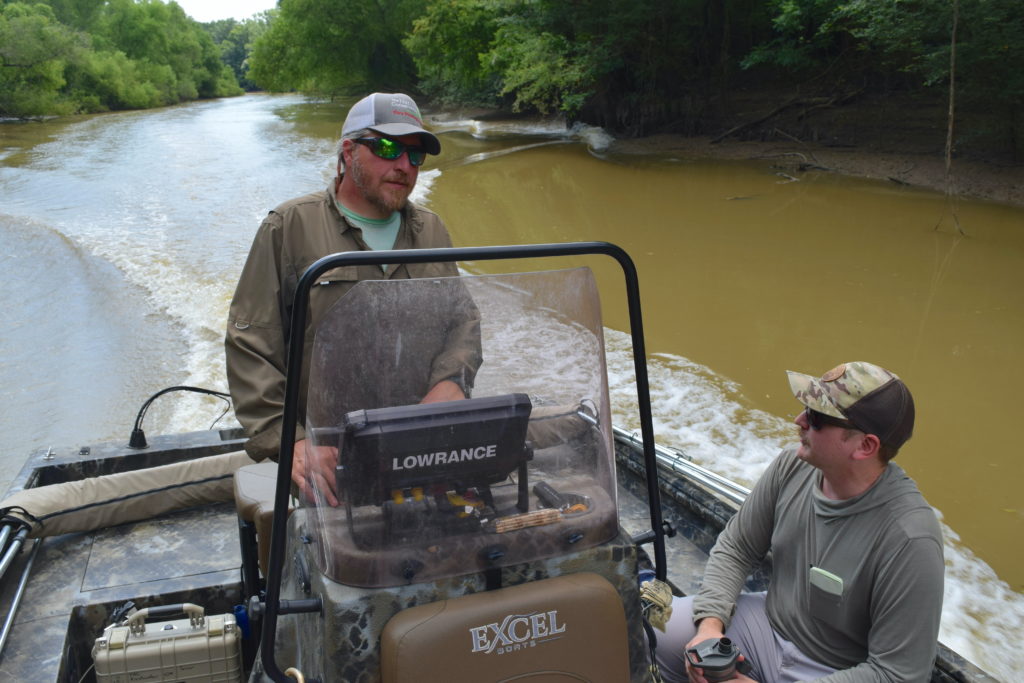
(366, 207)
(856, 551)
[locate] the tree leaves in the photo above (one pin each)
(86, 55)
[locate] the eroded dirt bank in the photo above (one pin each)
(971, 178)
(895, 136)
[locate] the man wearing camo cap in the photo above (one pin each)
(856, 551)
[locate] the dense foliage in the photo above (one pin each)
(635, 66)
(643, 65)
(327, 46)
(900, 40)
(235, 40)
(66, 56)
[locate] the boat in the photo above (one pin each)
(499, 537)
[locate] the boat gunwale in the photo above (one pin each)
(686, 498)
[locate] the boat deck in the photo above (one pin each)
(80, 579)
(685, 560)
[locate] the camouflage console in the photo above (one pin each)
(345, 642)
(481, 533)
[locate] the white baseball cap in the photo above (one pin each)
(391, 114)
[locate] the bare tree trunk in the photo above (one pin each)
(1015, 130)
(951, 194)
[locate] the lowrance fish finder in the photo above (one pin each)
(427, 464)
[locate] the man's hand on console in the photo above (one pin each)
(314, 466)
(445, 390)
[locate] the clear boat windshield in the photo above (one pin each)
(519, 470)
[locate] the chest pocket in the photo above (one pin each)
(837, 591)
(825, 594)
(330, 287)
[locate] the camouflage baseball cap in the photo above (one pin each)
(389, 114)
(875, 400)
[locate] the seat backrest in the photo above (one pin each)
(566, 628)
(255, 486)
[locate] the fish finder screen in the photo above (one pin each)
(454, 445)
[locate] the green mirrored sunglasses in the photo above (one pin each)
(389, 149)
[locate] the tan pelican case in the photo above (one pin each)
(197, 649)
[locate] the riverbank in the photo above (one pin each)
(895, 137)
(971, 177)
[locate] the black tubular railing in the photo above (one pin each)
(273, 606)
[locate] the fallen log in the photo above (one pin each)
(749, 124)
(811, 102)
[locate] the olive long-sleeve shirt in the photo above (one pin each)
(291, 238)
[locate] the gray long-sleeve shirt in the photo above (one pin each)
(856, 584)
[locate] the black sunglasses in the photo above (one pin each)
(818, 420)
(389, 149)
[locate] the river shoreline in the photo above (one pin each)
(970, 178)
(895, 138)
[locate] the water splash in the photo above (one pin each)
(596, 139)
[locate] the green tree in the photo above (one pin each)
(63, 56)
(155, 35)
(235, 40)
(907, 44)
(990, 50)
(318, 46)
(275, 62)
(630, 66)
(110, 80)
(78, 14)
(533, 54)
(448, 44)
(34, 50)
(807, 34)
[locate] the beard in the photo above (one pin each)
(387, 199)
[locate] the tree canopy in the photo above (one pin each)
(644, 65)
(635, 67)
(235, 39)
(66, 56)
(330, 47)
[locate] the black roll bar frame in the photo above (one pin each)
(272, 606)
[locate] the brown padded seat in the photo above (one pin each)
(254, 498)
(567, 628)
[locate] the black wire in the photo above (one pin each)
(227, 407)
(199, 390)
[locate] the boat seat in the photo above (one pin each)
(254, 499)
(562, 629)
